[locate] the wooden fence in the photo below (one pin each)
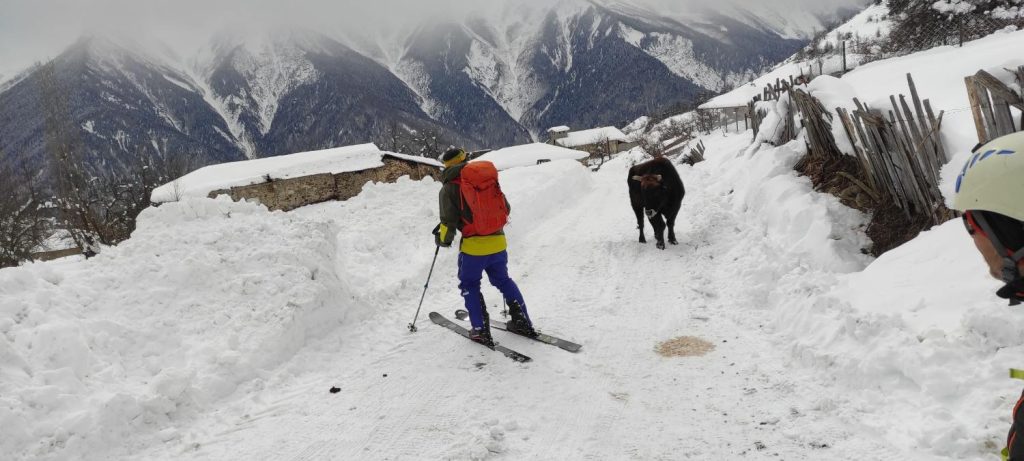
(821, 144)
(898, 148)
(901, 152)
(756, 116)
(991, 101)
(772, 92)
(696, 154)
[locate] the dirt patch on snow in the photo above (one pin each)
(685, 346)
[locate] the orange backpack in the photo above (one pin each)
(478, 185)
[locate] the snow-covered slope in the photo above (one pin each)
(869, 26)
(218, 329)
(123, 102)
(787, 18)
(815, 356)
(919, 333)
(270, 64)
(522, 53)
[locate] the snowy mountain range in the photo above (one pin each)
(489, 79)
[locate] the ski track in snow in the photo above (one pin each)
(446, 398)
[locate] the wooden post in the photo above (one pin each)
(937, 124)
(975, 101)
(844, 56)
(960, 29)
(986, 110)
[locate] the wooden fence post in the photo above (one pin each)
(975, 101)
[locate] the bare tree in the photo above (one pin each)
(70, 180)
(426, 143)
(393, 138)
(651, 144)
(23, 224)
(704, 120)
(601, 151)
(97, 208)
(679, 129)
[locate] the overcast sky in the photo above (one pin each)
(34, 30)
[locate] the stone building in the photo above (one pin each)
(296, 180)
(597, 141)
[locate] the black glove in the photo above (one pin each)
(437, 238)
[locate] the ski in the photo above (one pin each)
(560, 343)
(444, 322)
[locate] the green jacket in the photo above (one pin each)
(452, 214)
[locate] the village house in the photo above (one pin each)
(597, 141)
(291, 181)
(531, 154)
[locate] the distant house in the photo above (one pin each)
(597, 141)
(531, 154)
(290, 181)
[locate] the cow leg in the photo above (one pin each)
(640, 223)
(659, 230)
(671, 219)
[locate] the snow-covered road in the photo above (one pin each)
(433, 395)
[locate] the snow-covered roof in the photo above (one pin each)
(413, 158)
(558, 129)
(201, 182)
(592, 136)
(529, 154)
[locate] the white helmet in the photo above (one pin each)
(990, 193)
(993, 178)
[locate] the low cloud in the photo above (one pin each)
(36, 30)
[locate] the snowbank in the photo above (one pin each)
(209, 299)
(919, 338)
(917, 342)
(109, 353)
(529, 154)
(812, 226)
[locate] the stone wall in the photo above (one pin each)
(289, 194)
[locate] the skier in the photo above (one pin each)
(471, 202)
(990, 193)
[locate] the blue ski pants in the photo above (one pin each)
(471, 269)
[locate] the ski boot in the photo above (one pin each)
(482, 336)
(520, 323)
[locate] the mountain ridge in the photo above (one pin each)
(491, 80)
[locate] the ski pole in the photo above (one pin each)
(412, 326)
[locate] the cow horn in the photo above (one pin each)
(657, 177)
(637, 178)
